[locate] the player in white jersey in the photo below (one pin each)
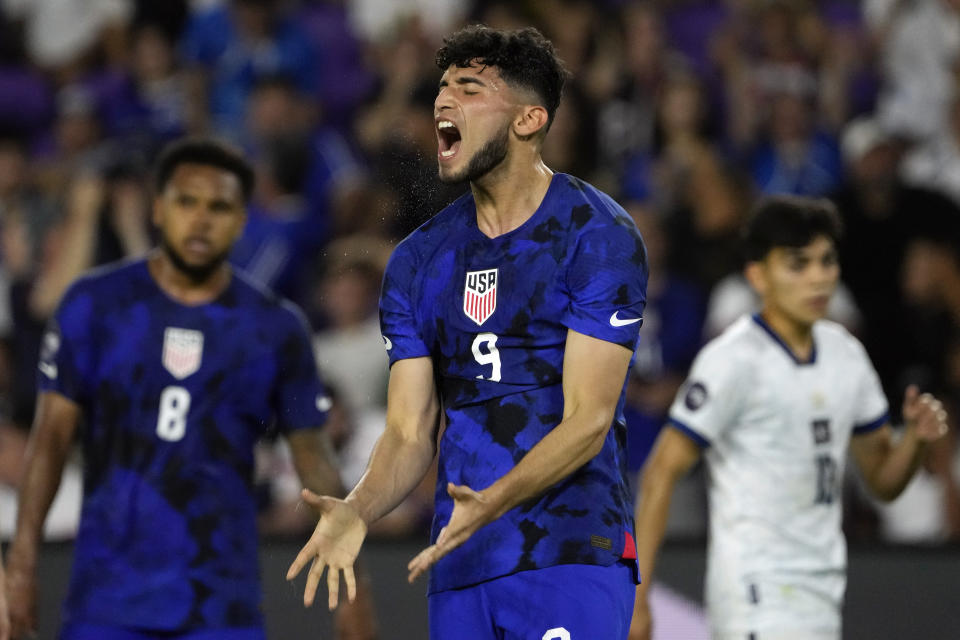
(773, 404)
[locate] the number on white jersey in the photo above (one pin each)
(826, 480)
(172, 421)
(491, 357)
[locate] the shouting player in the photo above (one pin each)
(516, 309)
(172, 367)
(774, 403)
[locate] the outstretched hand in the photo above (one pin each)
(333, 546)
(924, 414)
(471, 510)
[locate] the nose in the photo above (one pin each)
(201, 219)
(444, 100)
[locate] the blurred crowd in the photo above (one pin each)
(684, 110)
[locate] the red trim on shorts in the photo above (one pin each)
(629, 547)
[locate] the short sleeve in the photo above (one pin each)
(607, 283)
(398, 317)
(872, 410)
(66, 360)
(708, 402)
(301, 400)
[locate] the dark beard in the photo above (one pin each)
(485, 160)
(198, 274)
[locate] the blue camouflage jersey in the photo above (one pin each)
(173, 398)
(493, 315)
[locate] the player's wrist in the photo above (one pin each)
(495, 501)
(911, 434)
(361, 511)
(21, 559)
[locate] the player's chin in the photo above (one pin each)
(816, 307)
(451, 175)
(809, 315)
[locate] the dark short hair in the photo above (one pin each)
(524, 58)
(789, 221)
(204, 151)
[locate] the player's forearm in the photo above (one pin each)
(652, 511)
(897, 467)
(396, 467)
(569, 446)
(44, 469)
(315, 463)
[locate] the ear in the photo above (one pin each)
(531, 120)
(756, 275)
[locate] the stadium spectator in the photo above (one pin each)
(235, 44)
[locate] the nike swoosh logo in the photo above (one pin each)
(324, 403)
(387, 343)
(47, 369)
(622, 322)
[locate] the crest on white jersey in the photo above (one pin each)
(480, 295)
(182, 351)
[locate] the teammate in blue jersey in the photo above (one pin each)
(171, 368)
(516, 309)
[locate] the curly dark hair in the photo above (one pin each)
(524, 58)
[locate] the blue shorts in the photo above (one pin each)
(564, 602)
(80, 631)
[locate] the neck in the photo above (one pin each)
(796, 335)
(180, 286)
(509, 194)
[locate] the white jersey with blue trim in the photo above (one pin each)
(775, 433)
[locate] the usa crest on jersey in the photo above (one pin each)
(480, 295)
(182, 351)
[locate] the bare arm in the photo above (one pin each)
(4, 613)
(50, 441)
(887, 467)
(673, 456)
(593, 375)
(403, 453)
(315, 462)
(399, 461)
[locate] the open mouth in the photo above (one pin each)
(197, 245)
(448, 139)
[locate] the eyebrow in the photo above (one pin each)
(463, 80)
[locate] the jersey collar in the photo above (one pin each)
(783, 345)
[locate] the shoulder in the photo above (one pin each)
(598, 223)
(835, 337)
(438, 231)
(591, 209)
(736, 347)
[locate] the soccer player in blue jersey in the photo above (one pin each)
(516, 310)
(171, 368)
